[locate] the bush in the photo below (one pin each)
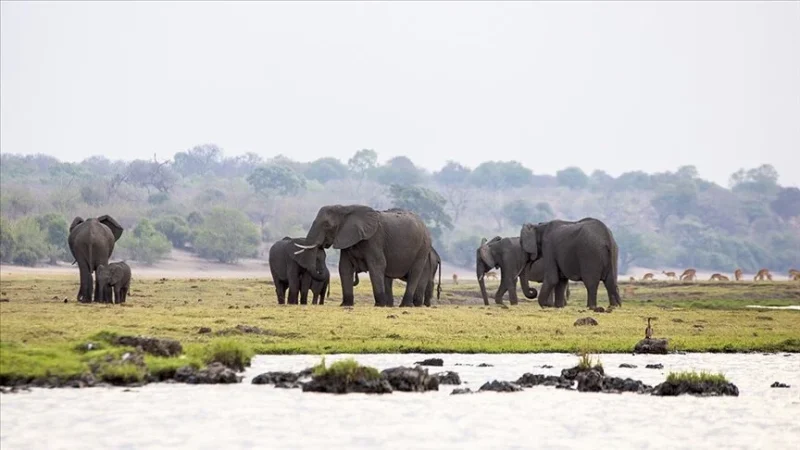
(348, 369)
(695, 377)
(227, 235)
(230, 353)
(176, 229)
(22, 242)
(56, 231)
(145, 244)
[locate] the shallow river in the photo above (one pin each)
(261, 416)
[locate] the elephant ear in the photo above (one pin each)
(360, 224)
(529, 240)
(112, 224)
(307, 259)
(117, 272)
(486, 254)
(75, 222)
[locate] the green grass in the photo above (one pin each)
(42, 336)
(349, 369)
(585, 362)
(696, 377)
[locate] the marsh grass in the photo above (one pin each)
(586, 362)
(41, 335)
(696, 377)
(348, 369)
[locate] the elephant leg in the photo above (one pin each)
(428, 293)
(124, 292)
(294, 286)
(280, 290)
(511, 287)
(560, 301)
(414, 278)
(498, 296)
(117, 294)
(305, 286)
(85, 291)
(548, 285)
(613, 291)
(378, 281)
(591, 293)
(347, 277)
(387, 289)
(98, 296)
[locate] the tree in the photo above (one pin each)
(199, 160)
(151, 174)
(632, 246)
(601, 179)
(635, 181)
(461, 252)
(496, 175)
(226, 235)
(573, 178)
(176, 229)
(362, 163)
(518, 212)
(325, 170)
(761, 180)
(278, 179)
(144, 244)
(22, 242)
(56, 232)
(678, 200)
(453, 177)
(428, 204)
(398, 170)
(787, 204)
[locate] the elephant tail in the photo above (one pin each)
(328, 295)
(439, 287)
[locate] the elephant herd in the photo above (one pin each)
(396, 244)
(388, 245)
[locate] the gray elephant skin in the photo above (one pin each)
(394, 243)
(91, 242)
(506, 254)
(424, 292)
(115, 278)
(319, 289)
(579, 251)
(289, 268)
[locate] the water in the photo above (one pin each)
(258, 416)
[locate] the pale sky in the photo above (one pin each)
(615, 86)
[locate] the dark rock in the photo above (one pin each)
(572, 373)
(677, 320)
(305, 373)
(151, 345)
(343, 385)
(627, 366)
(654, 366)
(275, 378)
(448, 378)
(778, 384)
(391, 316)
(546, 366)
(214, 373)
(703, 389)
(500, 386)
(585, 321)
(530, 380)
(652, 346)
(594, 381)
(438, 362)
(599, 309)
(288, 385)
(459, 391)
(590, 381)
(14, 389)
(484, 365)
(411, 380)
(204, 330)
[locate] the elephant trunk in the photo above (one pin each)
(529, 292)
(480, 271)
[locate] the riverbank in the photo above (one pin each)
(40, 334)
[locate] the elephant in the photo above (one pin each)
(535, 272)
(117, 277)
(289, 267)
(319, 289)
(393, 243)
(91, 242)
(507, 255)
(424, 292)
(579, 251)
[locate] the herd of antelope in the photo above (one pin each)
(738, 275)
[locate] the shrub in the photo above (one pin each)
(695, 377)
(176, 229)
(227, 235)
(586, 362)
(145, 244)
(348, 369)
(229, 352)
(56, 231)
(22, 242)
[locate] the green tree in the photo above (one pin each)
(278, 179)
(496, 175)
(677, 200)
(56, 232)
(573, 178)
(227, 235)
(787, 204)
(325, 170)
(176, 230)
(144, 244)
(362, 164)
(428, 204)
(461, 252)
(632, 247)
(199, 160)
(454, 177)
(761, 180)
(634, 181)
(22, 242)
(398, 170)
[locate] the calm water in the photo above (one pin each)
(251, 416)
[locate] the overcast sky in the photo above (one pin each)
(613, 86)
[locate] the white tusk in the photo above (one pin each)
(304, 246)
(299, 251)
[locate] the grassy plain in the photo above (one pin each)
(41, 335)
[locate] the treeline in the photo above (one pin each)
(226, 208)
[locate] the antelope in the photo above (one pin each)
(794, 274)
(689, 275)
(762, 274)
(718, 277)
(455, 279)
(648, 332)
(491, 274)
(670, 275)
(628, 291)
(632, 279)
(796, 277)
(738, 275)
(647, 276)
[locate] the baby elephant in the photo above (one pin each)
(117, 276)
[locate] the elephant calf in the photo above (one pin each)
(116, 278)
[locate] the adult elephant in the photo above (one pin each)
(288, 268)
(507, 255)
(91, 242)
(535, 272)
(394, 243)
(579, 251)
(424, 292)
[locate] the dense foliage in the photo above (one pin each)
(227, 208)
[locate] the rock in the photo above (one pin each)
(459, 391)
(594, 381)
(151, 345)
(204, 330)
(288, 385)
(391, 316)
(411, 380)
(778, 384)
(599, 309)
(546, 366)
(703, 389)
(654, 366)
(627, 366)
(305, 373)
(585, 321)
(361, 382)
(652, 346)
(590, 381)
(677, 320)
(484, 365)
(214, 373)
(13, 389)
(275, 378)
(500, 386)
(448, 378)
(242, 329)
(530, 380)
(431, 362)
(572, 373)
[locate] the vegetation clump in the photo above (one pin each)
(229, 352)
(348, 369)
(696, 377)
